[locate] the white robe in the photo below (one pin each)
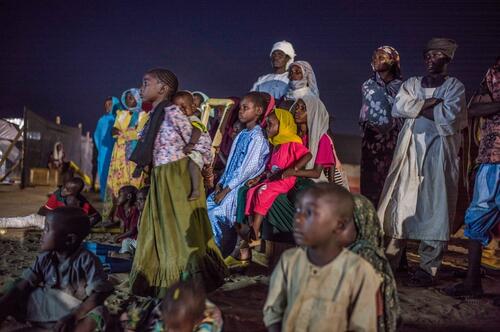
(420, 193)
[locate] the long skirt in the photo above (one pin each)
(175, 237)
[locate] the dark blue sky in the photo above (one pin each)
(64, 57)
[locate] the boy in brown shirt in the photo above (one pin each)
(321, 286)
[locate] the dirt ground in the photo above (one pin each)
(242, 297)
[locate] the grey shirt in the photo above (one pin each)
(79, 275)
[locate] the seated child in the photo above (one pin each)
(130, 204)
(339, 285)
(185, 308)
(288, 152)
(247, 159)
(66, 286)
(199, 146)
(70, 191)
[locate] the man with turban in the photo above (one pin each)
(276, 83)
(420, 194)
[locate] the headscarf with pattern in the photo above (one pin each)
(369, 244)
(287, 131)
(394, 59)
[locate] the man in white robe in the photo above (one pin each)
(420, 193)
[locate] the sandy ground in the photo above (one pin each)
(242, 297)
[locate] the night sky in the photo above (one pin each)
(64, 57)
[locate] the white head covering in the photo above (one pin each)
(308, 83)
(58, 155)
(286, 48)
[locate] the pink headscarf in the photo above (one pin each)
(269, 109)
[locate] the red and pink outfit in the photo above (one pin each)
(261, 197)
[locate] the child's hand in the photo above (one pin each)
(188, 148)
(116, 132)
(288, 173)
(252, 182)
(221, 195)
(218, 188)
(67, 323)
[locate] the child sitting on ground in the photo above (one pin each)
(66, 286)
(340, 285)
(198, 147)
(288, 152)
(68, 195)
(130, 205)
(72, 190)
(185, 308)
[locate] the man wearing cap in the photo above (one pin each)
(420, 193)
(276, 83)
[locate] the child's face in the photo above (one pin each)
(237, 128)
(123, 197)
(197, 99)
(186, 105)
(130, 100)
(69, 189)
(249, 111)
(141, 200)
(152, 89)
(314, 222)
(273, 125)
(300, 112)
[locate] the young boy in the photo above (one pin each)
(66, 286)
(198, 147)
(68, 195)
(321, 286)
(72, 188)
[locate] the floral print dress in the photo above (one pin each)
(379, 134)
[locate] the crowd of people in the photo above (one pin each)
(197, 182)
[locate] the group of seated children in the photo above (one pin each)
(127, 215)
(66, 286)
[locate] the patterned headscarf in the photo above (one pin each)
(309, 78)
(137, 95)
(287, 132)
(369, 245)
(394, 59)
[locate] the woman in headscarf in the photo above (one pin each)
(104, 141)
(276, 83)
(302, 81)
(128, 124)
(379, 129)
(57, 156)
(369, 244)
(313, 122)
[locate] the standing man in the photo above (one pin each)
(483, 214)
(420, 194)
(276, 83)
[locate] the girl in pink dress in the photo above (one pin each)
(289, 153)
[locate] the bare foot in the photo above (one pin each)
(195, 194)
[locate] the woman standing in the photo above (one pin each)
(104, 141)
(379, 129)
(126, 129)
(175, 238)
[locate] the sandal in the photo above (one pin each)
(462, 291)
(420, 279)
(233, 263)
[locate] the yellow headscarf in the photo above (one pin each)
(287, 132)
